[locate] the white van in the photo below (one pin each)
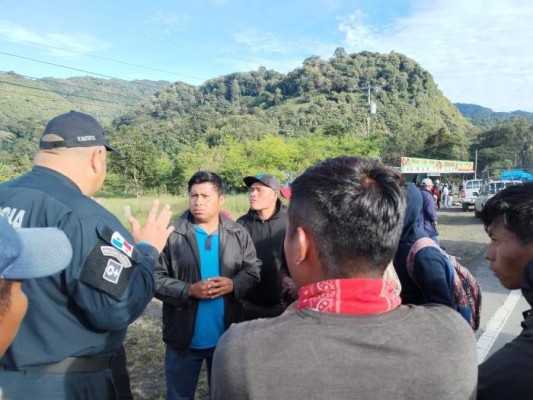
(487, 191)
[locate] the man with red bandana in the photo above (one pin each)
(347, 336)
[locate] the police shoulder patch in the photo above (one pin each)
(122, 244)
(112, 252)
(107, 267)
(117, 240)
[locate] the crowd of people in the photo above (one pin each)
(287, 302)
(443, 193)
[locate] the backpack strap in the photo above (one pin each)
(415, 248)
(466, 292)
(419, 245)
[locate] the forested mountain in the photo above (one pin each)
(330, 97)
(27, 104)
(247, 121)
(486, 118)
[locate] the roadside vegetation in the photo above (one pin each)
(237, 205)
(263, 120)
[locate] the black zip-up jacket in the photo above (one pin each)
(508, 373)
(179, 267)
(268, 238)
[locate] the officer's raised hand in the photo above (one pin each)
(156, 228)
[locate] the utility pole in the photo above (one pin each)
(372, 106)
(368, 114)
(475, 167)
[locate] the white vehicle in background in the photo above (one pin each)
(487, 191)
(469, 193)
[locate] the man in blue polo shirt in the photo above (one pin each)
(209, 324)
(207, 267)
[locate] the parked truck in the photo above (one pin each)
(469, 193)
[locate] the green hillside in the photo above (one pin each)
(27, 104)
(330, 97)
(485, 118)
(245, 121)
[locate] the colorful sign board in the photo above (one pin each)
(426, 165)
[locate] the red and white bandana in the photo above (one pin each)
(350, 296)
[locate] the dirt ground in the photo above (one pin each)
(146, 354)
(461, 235)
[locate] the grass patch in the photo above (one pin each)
(237, 205)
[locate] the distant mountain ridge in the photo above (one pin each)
(26, 104)
(485, 117)
(103, 98)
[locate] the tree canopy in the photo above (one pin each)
(263, 120)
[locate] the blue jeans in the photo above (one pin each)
(182, 370)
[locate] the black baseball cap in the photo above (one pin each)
(265, 179)
(76, 129)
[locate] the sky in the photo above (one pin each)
(478, 51)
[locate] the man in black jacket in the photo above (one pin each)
(507, 216)
(207, 267)
(266, 222)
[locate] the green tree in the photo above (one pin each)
(507, 144)
(236, 163)
(234, 90)
(441, 145)
(198, 157)
(137, 164)
(521, 140)
(13, 165)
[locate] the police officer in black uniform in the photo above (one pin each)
(77, 319)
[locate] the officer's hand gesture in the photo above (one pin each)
(156, 230)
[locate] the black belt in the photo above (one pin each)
(69, 365)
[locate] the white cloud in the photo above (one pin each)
(283, 54)
(176, 22)
(358, 33)
(258, 41)
(478, 51)
(332, 5)
(273, 52)
(73, 41)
